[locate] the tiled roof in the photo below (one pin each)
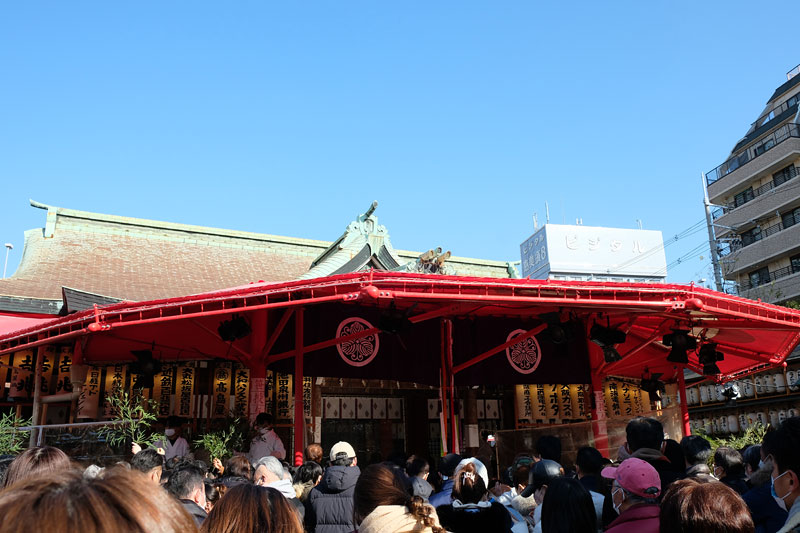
(135, 259)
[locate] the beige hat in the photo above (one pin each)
(340, 449)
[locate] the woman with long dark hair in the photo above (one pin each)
(381, 504)
(568, 508)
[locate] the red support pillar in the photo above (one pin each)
(443, 388)
(299, 416)
(454, 433)
(687, 430)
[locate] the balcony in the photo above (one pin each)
(774, 241)
(770, 151)
(782, 284)
(762, 201)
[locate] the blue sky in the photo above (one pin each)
(460, 118)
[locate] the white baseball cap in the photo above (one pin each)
(342, 447)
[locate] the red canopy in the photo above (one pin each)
(10, 323)
(751, 335)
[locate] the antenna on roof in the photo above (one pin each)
(547, 210)
(639, 223)
(535, 220)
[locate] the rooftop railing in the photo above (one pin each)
(763, 146)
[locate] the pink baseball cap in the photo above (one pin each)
(635, 476)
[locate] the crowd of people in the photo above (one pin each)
(656, 485)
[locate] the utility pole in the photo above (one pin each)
(712, 241)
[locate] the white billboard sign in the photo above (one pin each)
(582, 250)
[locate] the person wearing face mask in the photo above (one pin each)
(786, 472)
(173, 444)
(767, 516)
(266, 442)
(729, 468)
(634, 495)
(542, 473)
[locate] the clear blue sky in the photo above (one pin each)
(460, 118)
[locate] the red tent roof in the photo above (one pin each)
(752, 335)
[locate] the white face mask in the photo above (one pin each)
(617, 507)
(780, 500)
(169, 432)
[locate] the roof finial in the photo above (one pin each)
(371, 209)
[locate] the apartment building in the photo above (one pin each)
(757, 195)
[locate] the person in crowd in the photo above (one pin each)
(266, 442)
(786, 471)
(214, 491)
(674, 454)
(269, 473)
(447, 467)
(768, 517)
(696, 451)
(549, 447)
(509, 493)
(150, 463)
(418, 471)
(35, 461)
(524, 506)
(471, 509)
(751, 456)
(542, 474)
(120, 500)
(729, 468)
(330, 504)
(248, 508)
(568, 508)
(186, 484)
(695, 506)
(237, 470)
(588, 464)
(313, 452)
(381, 504)
(644, 439)
(634, 496)
(173, 443)
(308, 476)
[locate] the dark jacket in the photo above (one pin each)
(700, 472)
(198, 513)
(494, 518)
(443, 496)
(736, 483)
(330, 504)
(767, 516)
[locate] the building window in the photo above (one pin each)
(791, 218)
(743, 197)
(751, 236)
(759, 277)
(763, 147)
(784, 175)
(795, 263)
